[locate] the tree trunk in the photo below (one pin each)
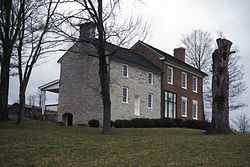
(220, 87)
(4, 86)
(21, 109)
(104, 72)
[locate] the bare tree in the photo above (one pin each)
(242, 123)
(33, 41)
(199, 46)
(105, 16)
(32, 100)
(10, 13)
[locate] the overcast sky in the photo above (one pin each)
(170, 20)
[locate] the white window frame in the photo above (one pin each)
(195, 102)
(196, 84)
(152, 100)
(124, 65)
(152, 78)
(126, 93)
(172, 75)
(185, 74)
(186, 104)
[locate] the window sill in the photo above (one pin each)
(124, 102)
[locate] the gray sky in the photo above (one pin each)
(170, 20)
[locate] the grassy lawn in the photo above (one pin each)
(41, 144)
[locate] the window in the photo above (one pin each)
(150, 78)
(184, 80)
(125, 95)
(170, 76)
(170, 105)
(125, 71)
(150, 100)
(184, 106)
(195, 84)
(195, 109)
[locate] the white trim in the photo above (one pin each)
(126, 102)
(152, 99)
(137, 106)
(185, 74)
(152, 78)
(185, 100)
(196, 84)
(195, 102)
(49, 84)
(124, 65)
(172, 75)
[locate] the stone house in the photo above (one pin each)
(145, 83)
(135, 87)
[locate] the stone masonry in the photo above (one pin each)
(80, 88)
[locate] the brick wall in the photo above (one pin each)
(154, 57)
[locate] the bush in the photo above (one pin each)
(161, 123)
(93, 123)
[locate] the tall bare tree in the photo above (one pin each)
(32, 42)
(10, 13)
(199, 46)
(105, 16)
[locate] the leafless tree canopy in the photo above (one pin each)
(119, 30)
(199, 46)
(33, 41)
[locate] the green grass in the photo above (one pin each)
(40, 144)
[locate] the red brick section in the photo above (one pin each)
(153, 56)
(179, 53)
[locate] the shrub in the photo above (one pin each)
(93, 123)
(161, 123)
(122, 124)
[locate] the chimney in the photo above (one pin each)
(179, 53)
(87, 30)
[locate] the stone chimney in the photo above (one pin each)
(87, 30)
(179, 53)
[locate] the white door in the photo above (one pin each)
(137, 105)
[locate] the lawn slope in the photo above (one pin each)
(41, 144)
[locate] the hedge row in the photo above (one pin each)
(161, 123)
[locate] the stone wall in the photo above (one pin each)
(137, 83)
(80, 88)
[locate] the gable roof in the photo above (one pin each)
(123, 55)
(126, 55)
(171, 59)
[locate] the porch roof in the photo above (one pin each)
(52, 86)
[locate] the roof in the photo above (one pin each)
(52, 86)
(124, 55)
(173, 59)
